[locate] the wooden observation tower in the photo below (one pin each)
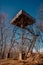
(22, 20)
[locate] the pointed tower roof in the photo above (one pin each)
(22, 19)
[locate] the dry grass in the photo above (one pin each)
(34, 59)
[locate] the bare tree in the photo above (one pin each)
(3, 34)
(40, 24)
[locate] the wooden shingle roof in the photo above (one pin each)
(22, 19)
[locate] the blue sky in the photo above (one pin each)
(11, 7)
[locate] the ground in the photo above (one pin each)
(17, 62)
(30, 61)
